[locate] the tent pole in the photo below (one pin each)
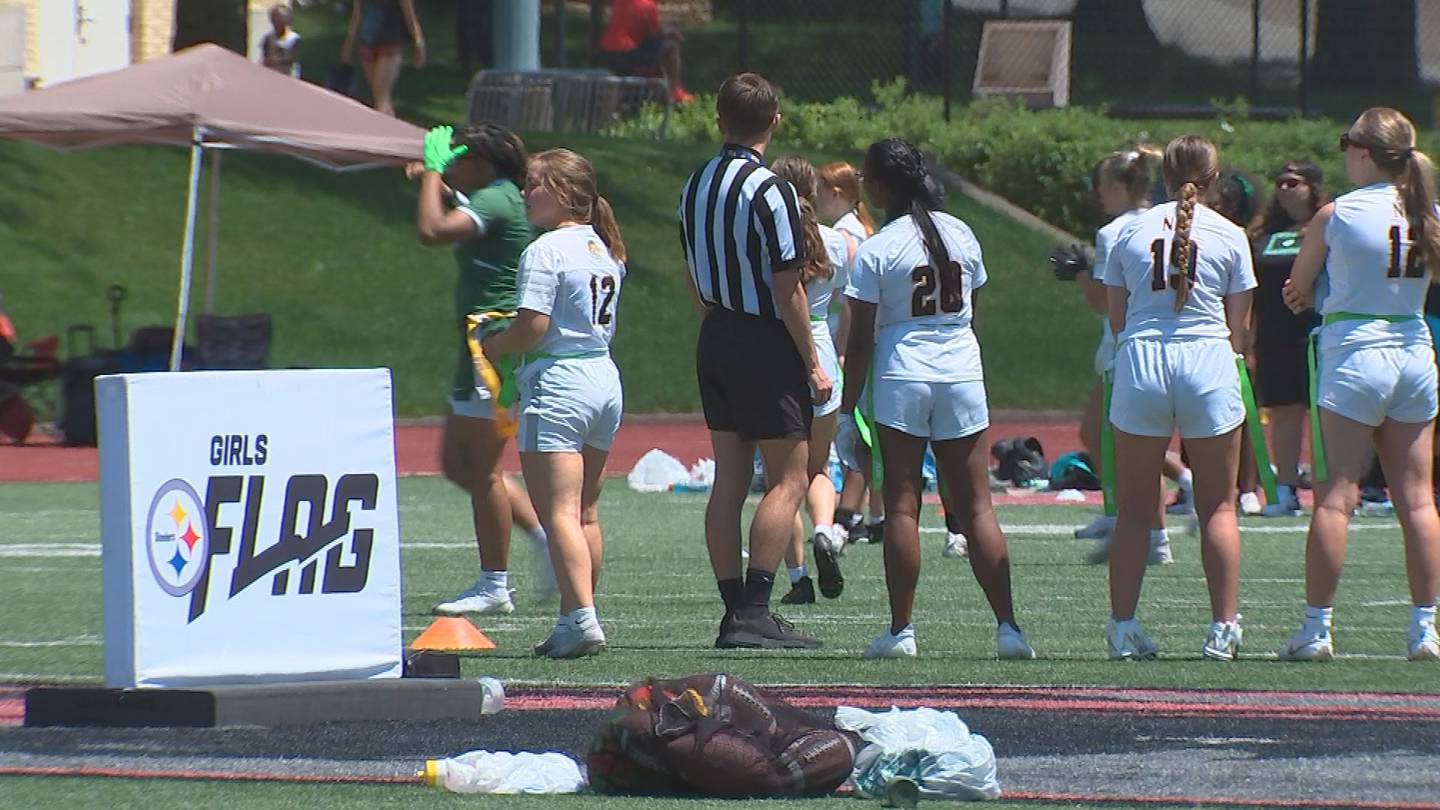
(213, 239)
(187, 254)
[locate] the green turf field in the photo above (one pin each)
(658, 603)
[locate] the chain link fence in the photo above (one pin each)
(1273, 58)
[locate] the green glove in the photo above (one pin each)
(439, 154)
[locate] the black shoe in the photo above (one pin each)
(801, 593)
(877, 532)
(827, 567)
(758, 628)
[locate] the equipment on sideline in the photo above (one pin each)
(716, 735)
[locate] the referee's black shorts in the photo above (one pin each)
(752, 380)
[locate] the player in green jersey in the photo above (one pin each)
(470, 198)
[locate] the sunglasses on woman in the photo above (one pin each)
(1347, 142)
(1288, 182)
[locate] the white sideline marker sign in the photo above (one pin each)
(249, 528)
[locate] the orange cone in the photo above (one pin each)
(452, 634)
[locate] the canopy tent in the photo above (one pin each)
(208, 98)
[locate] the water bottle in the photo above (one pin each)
(493, 699)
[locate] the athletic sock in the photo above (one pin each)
(539, 539)
(1422, 615)
(495, 582)
(758, 585)
(846, 518)
(1318, 619)
(797, 573)
(1159, 537)
(1186, 481)
(732, 591)
(583, 617)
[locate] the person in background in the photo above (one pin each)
(1279, 336)
(1365, 265)
(831, 253)
(280, 47)
(1236, 198)
(635, 43)
(380, 29)
(838, 203)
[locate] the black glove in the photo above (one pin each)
(1068, 262)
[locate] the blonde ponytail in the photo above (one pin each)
(608, 229)
(1389, 137)
(1416, 185)
(1182, 249)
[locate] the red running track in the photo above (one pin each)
(417, 448)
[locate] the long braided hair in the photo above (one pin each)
(802, 175)
(900, 168)
(1191, 165)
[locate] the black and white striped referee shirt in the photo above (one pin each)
(739, 222)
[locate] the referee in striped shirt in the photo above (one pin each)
(756, 363)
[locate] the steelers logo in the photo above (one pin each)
(177, 537)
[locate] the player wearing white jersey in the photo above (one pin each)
(831, 252)
(838, 201)
(912, 291)
(1121, 183)
(1367, 261)
(570, 398)
(1179, 281)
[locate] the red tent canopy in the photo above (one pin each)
(229, 99)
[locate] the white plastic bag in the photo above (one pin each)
(504, 772)
(935, 749)
(657, 471)
(1070, 496)
(702, 475)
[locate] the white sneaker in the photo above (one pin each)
(1223, 643)
(1308, 644)
(1250, 504)
(1010, 643)
(956, 546)
(1100, 527)
(893, 645)
(1160, 553)
(566, 640)
(476, 599)
(1378, 509)
(1424, 643)
(1127, 641)
(1100, 552)
(1287, 503)
(1184, 503)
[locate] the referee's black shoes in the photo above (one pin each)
(756, 628)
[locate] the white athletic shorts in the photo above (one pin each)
(825, 349)
(1371, 385)
(936, 411)
(1190, 384)
(567, 404)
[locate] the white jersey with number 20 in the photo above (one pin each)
(922, 318)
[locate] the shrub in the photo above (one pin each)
(1038, 159)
